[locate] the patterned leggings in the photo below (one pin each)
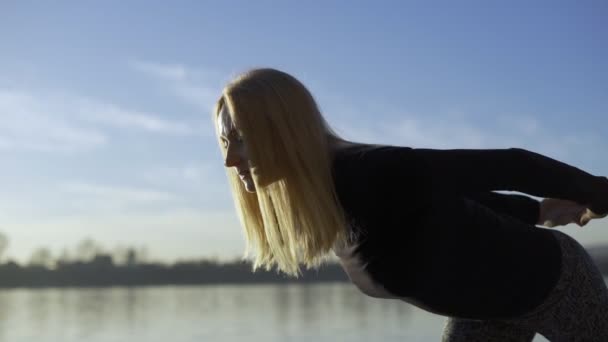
(575, 310)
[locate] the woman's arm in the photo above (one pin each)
(466, 171)
(523, 208)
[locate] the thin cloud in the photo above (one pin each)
(111, 115)
(4, 143)
(171, 72)
(201, 96)
(442, 134)
(448, 132)
(115, 193)
(205, 179)
(461, 131)
(88, 198)
(194, 172)
(192, 85)
(59, 122)
(31, 123)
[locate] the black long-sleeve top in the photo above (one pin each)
(430, 230)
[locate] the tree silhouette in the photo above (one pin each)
(120, 255)
(87, 249)
(3, 244)
(42, 257)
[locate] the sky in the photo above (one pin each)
(105, 107)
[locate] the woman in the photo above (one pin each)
(420, 225)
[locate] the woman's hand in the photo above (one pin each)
(559, 212)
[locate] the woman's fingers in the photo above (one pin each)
(557, 212)
(594, 215)
(588, 215)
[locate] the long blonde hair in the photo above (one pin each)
(294, 217)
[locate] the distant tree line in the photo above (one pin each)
(90, 265)
(101, 271)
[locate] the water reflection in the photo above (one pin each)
(320, 312)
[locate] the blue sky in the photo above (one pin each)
(105, 128)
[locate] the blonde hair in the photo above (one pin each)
(294, 217)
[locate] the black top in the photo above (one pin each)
(431, 231)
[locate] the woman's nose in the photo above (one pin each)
(232, 159)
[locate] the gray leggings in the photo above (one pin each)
(575, 310)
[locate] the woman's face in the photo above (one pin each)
(234, 149)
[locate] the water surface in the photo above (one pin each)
(269, 313)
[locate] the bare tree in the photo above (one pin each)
(42, 257)
(3, 244)
(64, 257)
(87, 249)
(120, 255)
